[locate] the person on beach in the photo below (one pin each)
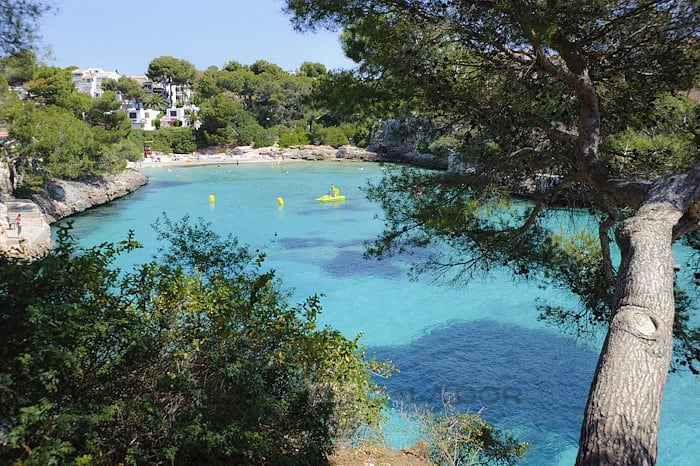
(18, 224)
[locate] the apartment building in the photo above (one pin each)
(89, 80)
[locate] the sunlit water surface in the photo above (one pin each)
(482, 342)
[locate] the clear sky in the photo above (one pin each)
(125, 35)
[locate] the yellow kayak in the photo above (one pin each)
(327, 198)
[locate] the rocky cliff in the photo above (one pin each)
(63, 198)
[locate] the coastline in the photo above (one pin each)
(59, 199)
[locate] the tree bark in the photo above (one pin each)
(621, 420)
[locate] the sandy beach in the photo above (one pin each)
(263, 155)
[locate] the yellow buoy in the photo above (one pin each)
(211, 198)
(280, 201)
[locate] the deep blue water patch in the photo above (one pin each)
(533, 379)
(318, 210)
(350, 244)
(352, 263)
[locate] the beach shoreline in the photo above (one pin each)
(270, 155)
(205, 159)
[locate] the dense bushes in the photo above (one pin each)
(196, 358)
(173, 140)
(330, 136)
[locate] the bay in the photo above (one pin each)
(482, 342)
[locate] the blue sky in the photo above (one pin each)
(126, 35)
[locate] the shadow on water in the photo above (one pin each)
(533, 379)
(156, 184)
(351, 263)
(321, 209)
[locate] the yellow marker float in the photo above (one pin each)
(212, 199)
(280, 201)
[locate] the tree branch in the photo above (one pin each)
(554, 133)
(603, 229)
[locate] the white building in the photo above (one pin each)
(89, 80)
(142, 118)
(183, 114)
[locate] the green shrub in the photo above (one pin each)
(194, 358)
(294, 138)
(333, 136)
(173, 140)
(457, 438)
(445, 146)
(249, 132)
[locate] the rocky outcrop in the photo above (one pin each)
(5, 185)
(356, 153)
(63, 198)
(407, 155)
(376, 153)
(311, 153)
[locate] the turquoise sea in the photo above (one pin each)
(482, 342)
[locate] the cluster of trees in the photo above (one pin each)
(253, 104)
(586, 95)
(55, 131)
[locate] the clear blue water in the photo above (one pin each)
(482, 342)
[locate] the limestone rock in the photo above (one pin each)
(63, 198)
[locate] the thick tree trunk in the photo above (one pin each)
(621, 421)
(622, 417)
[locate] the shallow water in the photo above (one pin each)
(482, 341)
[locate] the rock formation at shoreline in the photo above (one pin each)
(63, 198)
(376, 153)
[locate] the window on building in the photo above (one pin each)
(132, 115)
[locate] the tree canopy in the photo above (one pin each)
(19, 23)
(128, 87)
(170, 69)
(19, 67)
(569, 101)
(58, 132)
